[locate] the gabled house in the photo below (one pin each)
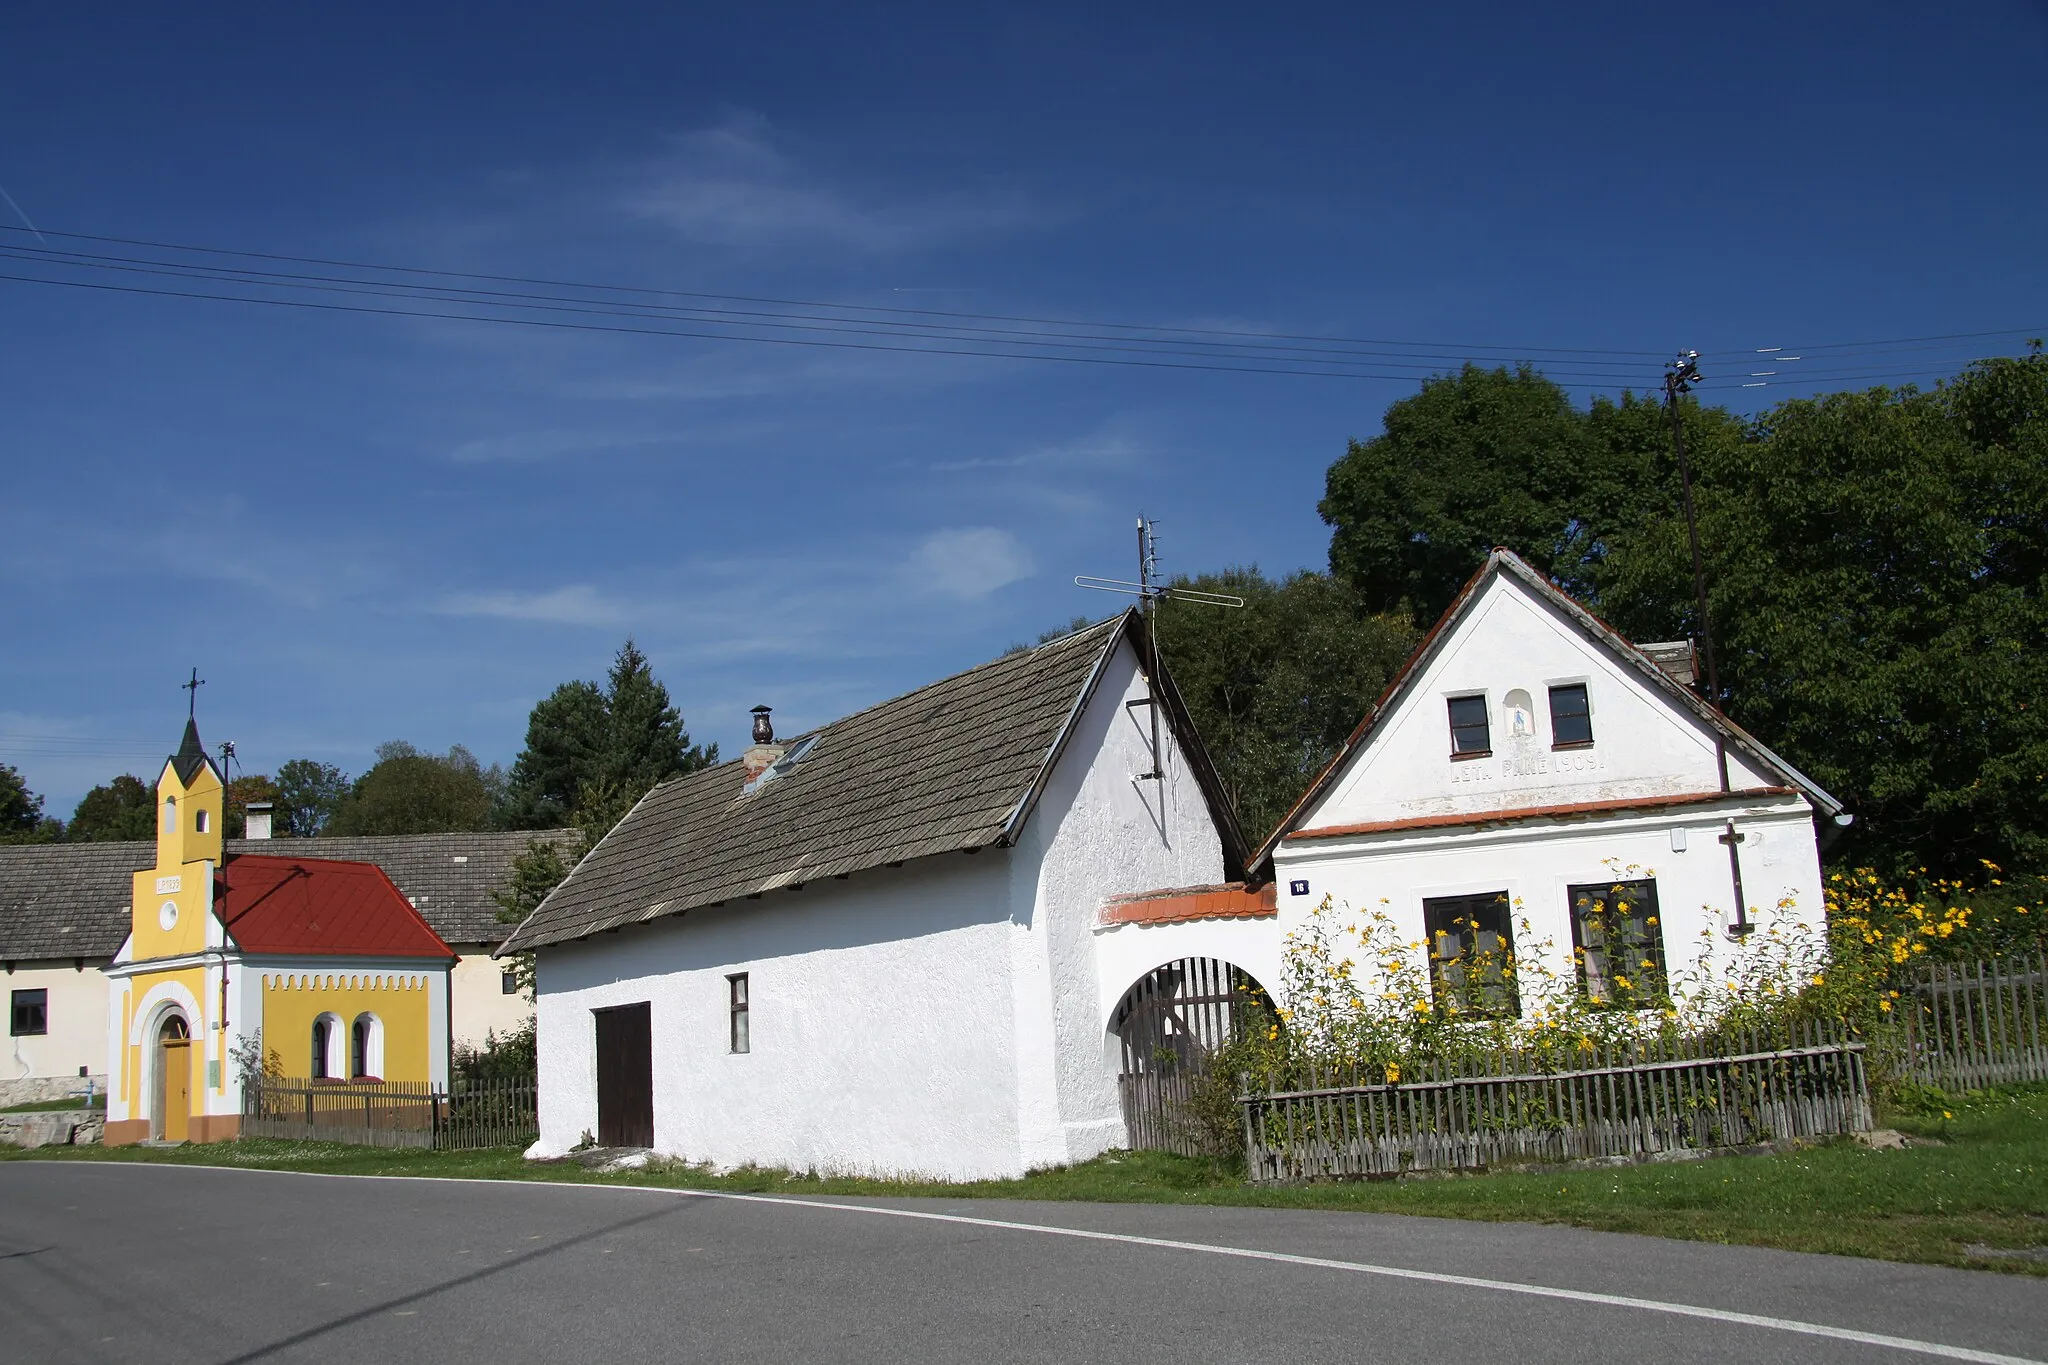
(320, 962)
(1531, 782)
(871, 948)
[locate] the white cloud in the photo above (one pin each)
(577, 604)
(731, 185)
(969, 562)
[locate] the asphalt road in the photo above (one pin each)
(166, 1263)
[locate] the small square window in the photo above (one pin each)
(508, 983)
(1470, 737)
(31, 1014)
(1471, 955)
(736, 985)
(1618, 940)
(1571, 715)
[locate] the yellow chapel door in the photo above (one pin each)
(174, 1068)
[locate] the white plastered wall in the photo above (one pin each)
(1100, 830)
(881, 1022)
(477, 992)
(1536, 862)
(77, 1018)
(1644, 744)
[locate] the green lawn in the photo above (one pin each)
(53, 1106)
(1986, 1186)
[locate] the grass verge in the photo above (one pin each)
(1984, 1189)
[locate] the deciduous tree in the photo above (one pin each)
(124, 808)
(308, 795)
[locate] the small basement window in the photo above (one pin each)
(1470, 737)
(1571, 716)
(30, 1016)
(736, 987)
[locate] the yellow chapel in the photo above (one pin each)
(303, 967)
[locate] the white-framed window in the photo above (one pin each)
(325, 1061)
(366, 1048)
(736, 997)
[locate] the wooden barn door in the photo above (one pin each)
(625, 1076)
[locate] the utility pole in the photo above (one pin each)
(1679, 377)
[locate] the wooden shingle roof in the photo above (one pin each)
(71, 900)
(953, 766)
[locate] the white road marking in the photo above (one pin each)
(1685, 1310)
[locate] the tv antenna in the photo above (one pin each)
(1149, 591)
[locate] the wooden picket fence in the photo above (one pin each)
(471, 1115)
(1962, 1025)
(1634, 1101)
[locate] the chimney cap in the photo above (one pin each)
(259, 805)
(764, 728)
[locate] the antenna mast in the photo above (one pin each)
(1148, 590)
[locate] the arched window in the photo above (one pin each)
(200, 819)
(323, 1038)
(170, 815)
(366, 1047)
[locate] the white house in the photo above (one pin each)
(1529, 780)
(789, 960)
(873, 948)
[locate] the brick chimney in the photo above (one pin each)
(257, 814)
(765, 750)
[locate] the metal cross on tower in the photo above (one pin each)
(1149, 590)
(192, 703)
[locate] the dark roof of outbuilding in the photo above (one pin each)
(954, 766)
(71, 900)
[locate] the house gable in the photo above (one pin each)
(1510, 639)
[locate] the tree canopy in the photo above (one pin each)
(124, 808)
(309, 793)
(1496, 457)
(1877, 568)
(592, 748)
(1274, 688)
(21, 811)
(409, 792)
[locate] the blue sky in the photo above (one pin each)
(364, 528)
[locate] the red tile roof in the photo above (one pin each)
(320, 908)
(1229, 901)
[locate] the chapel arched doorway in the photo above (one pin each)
(172, 1103)
(1168, 1025)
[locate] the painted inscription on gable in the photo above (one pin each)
(1522, 767)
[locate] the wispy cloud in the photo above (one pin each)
(732, 185)
(1109, 447)
(969, 562)
(578, 604)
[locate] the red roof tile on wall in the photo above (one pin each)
(1229, 901)
(319, 907)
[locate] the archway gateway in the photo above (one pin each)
(1168, 1025)
(173, 1099)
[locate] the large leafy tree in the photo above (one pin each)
(124, 808)
(410, 792)
(1878, 587)
(594, 749)
(1275, 687)
(308, 795)
(21, 812)
(1484, 458)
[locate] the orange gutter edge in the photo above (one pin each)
(1578, 810)
(1228, 901)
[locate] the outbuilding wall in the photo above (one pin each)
(77, 1017)
(883, 1037)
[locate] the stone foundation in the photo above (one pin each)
(52, 1128)
(39, 1089)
